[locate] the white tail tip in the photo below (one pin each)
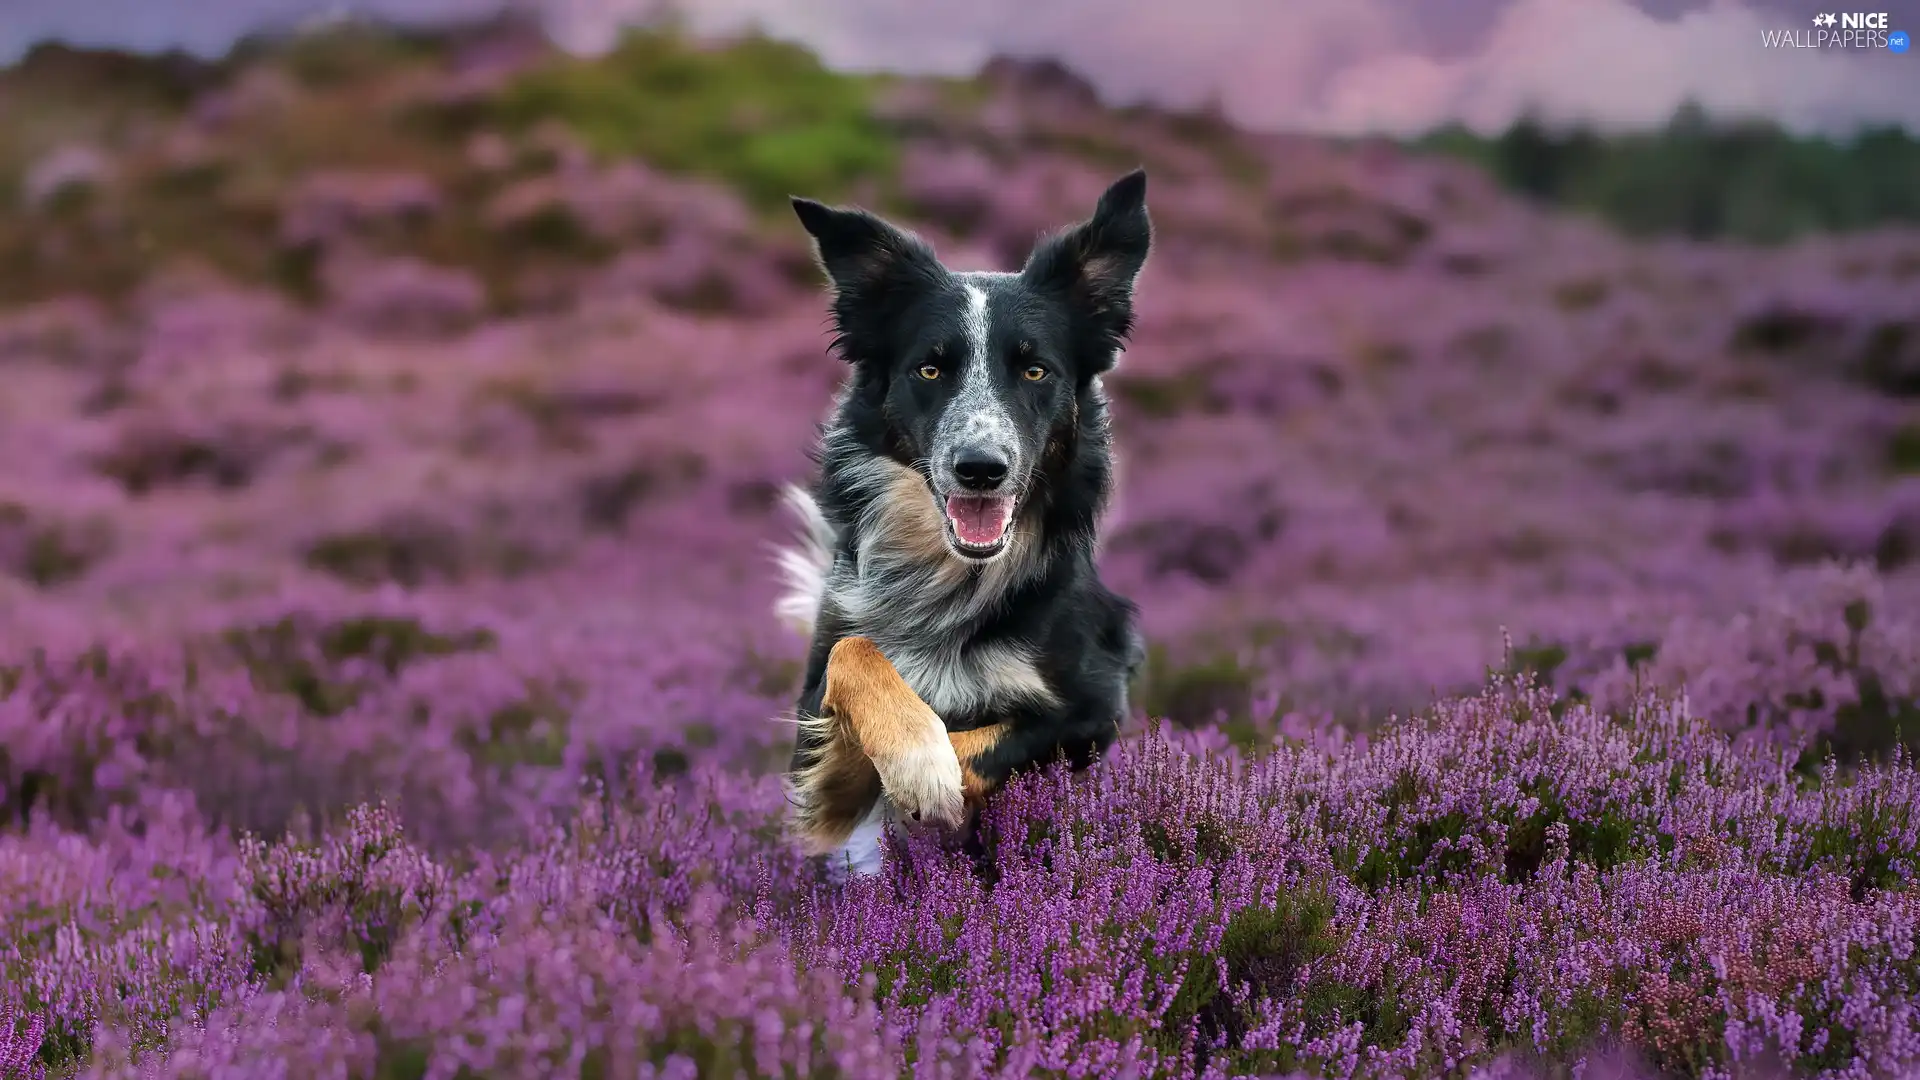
(803, 568)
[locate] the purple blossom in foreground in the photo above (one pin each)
(1507, 880)
(20, 1038)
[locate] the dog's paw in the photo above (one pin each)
(905, 740)
(922, 779)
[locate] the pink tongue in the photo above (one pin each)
(978, 521)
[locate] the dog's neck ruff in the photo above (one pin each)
(893, 579)
(898, 582)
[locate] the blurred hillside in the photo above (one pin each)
(461, 315)
(208, 162)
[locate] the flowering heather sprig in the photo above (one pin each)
(365, 879)
(707, 829)
(20, 1037)
(147, 982)
(136, 927)
(1828, 657)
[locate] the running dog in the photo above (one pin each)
(960, 631)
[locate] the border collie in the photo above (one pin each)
(960, 631)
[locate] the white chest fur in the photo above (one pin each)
(956, 678)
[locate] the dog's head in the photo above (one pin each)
(976, 379)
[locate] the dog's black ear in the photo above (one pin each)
(867, 260)
(1094, 264)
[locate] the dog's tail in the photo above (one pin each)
(804, 567)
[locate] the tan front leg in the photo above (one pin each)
(903, 738)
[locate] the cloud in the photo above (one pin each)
(1341, 66)
(1359, 66)
(1177, 53)
(1607, 62)
(206, 27)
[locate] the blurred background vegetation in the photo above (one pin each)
(112, 163)
(1706, 179)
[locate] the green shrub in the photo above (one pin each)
(761, 114)
(1703, 177)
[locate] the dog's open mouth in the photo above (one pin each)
(979, 523)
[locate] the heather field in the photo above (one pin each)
(390, 433)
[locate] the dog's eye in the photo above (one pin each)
(929, 372)
(1034, 373)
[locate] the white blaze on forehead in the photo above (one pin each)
(976, 322)
(977, 414)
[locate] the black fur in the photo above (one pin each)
(896, 309)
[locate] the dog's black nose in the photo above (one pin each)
(979, 470)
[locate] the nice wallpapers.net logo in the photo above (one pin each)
(1841, 30)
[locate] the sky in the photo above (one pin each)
(1334, 66)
